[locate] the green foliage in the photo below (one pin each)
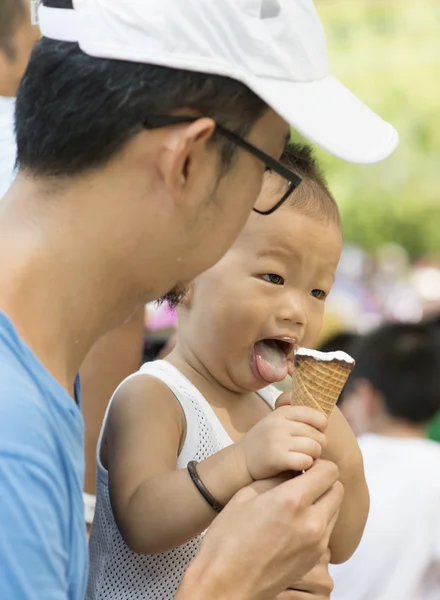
(388, 53)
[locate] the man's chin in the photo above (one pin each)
(175, 296)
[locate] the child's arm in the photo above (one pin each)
(158, 508)
(342, 449)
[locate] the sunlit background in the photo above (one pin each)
(388, 52)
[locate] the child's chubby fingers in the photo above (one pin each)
(297, 462)
(296, 430)
(307, 446)
(304, 414)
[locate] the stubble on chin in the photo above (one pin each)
(175, 296)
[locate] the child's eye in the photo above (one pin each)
(319, 294)
(273, 278)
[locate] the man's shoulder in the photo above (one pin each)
(18, 384)
(24, 423)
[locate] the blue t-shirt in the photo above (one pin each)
(43, 550)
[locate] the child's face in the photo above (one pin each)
(271, 285)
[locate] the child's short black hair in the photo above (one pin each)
(313, 196)
(12, 13)
(402, 362)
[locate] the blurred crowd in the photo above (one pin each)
(370, 290)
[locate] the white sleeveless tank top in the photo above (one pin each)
(117, 573)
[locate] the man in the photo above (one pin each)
(118, 353)
(143, 135)
(17, 38)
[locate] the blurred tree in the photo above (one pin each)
(388, 52)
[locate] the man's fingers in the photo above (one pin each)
(295, 595)
(328, 507)
(325, 558)
(331, 527)
(315, 483)
(260, 487)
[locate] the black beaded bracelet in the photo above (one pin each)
(192, 470)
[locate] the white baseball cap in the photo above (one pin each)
(275, 47)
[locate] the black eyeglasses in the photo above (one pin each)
(264, 206)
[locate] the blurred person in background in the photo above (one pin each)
(433, 429)
(17, 38)
(341, 340)
(398, 390)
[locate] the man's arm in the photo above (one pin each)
(33, 561)
(265, 540)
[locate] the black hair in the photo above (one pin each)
(75, 112)
(312, 196)
(343, 340)
(12, 13)
(402, 362)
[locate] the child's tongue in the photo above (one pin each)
(270, 361)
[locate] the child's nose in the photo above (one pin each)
(293, 310)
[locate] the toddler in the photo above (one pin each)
(183, 435)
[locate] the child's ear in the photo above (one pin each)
(187, 299)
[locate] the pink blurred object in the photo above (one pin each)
(161, 316)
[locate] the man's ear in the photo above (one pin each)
(179, 148)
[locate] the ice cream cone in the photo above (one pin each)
(318, 378)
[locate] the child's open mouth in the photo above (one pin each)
(270, 359)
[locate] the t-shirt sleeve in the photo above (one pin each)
(437, 536)
(33, 560)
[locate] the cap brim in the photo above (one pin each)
(328, 114)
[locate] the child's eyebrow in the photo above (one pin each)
(275, 252)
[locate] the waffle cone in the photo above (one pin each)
(318, 383)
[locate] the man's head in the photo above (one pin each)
(84, 116)
(241, 318)
(17, 38)
(87, 126)
(395, 379)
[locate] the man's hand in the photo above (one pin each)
(270, 535)
(316, 585)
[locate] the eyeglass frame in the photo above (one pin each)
(157, 121)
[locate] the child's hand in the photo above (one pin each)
(291, 438)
